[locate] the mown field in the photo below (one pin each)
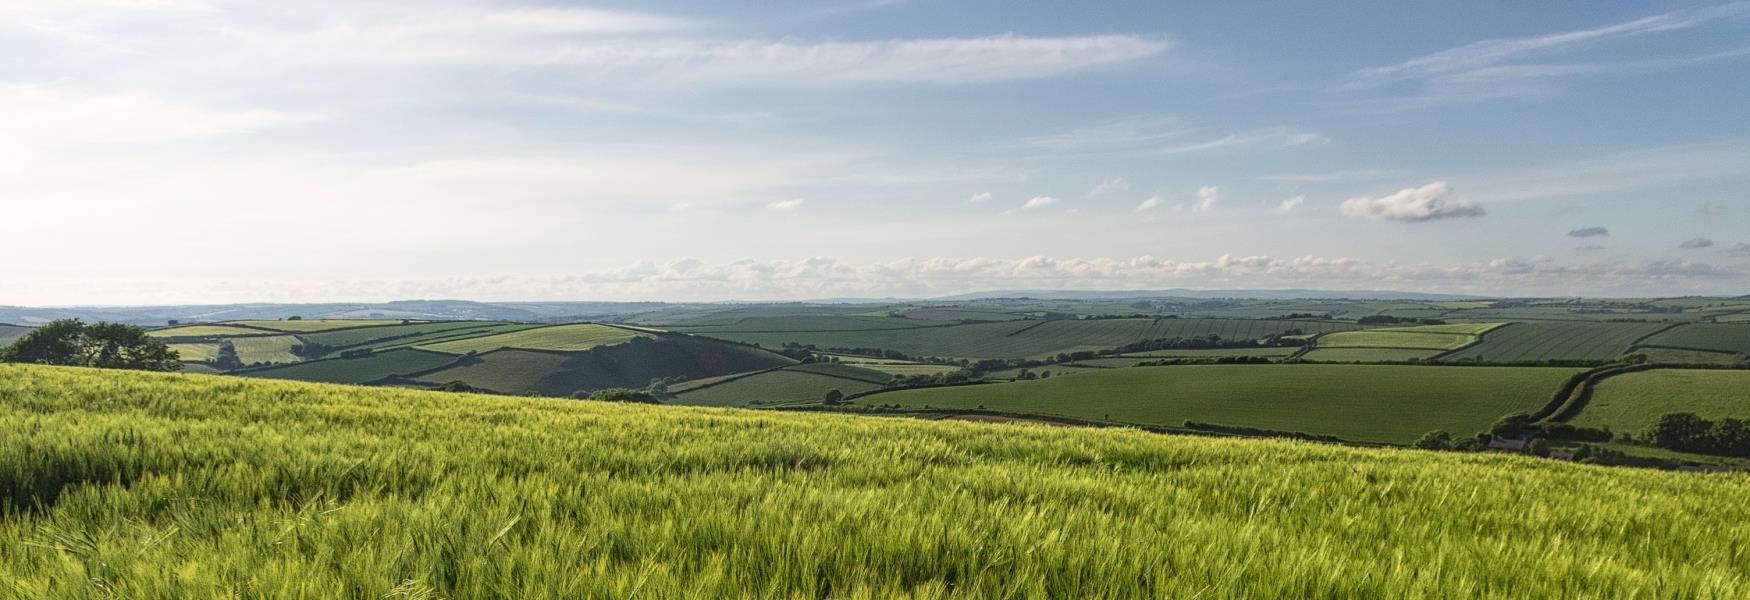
(358, 370)
(784, 386)
(269, 349)
(206, 331)
(1033, 339)
(581, 336)
(1720, 337)
(1363, 403)
(807, 323)
(1367, 355)
(1532, 342)
(160, 486)
(1632, 402)
(633, 364)
(312, 325)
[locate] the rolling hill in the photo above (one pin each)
(156, 486)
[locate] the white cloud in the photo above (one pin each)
(786, 204)
(979, 197)
(1280, 137)
(1290, 204)
(1111, 185)
(53, 116)
(1151, 203)
(1332, 176)
(1427, 203)
(1495, 51)
(1696, 244)
(1207, 196)
(1039, 202)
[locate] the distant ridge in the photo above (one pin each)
(1286, 294)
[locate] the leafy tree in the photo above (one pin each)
(70, 342)
(619, 394)
(1539, 447)
(1438, 439)
(834, 397)
(1681, 431)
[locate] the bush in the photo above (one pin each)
(1434, 440)
(619, 395)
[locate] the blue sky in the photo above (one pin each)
(156, 151)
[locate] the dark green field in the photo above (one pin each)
(1364, 403)
(1533, 342)
(358, 370)
(1032, 339)
(362, 336)
(784, 386)
(631, 364)
(1632, 402)
(1719, 337)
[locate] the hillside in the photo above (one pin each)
(147, 485)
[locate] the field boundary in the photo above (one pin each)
(1582, 395)
(726, 379)
(1479, 339)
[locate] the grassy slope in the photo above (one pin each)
(360, 336)
(1367, 354)
(1632, 402)
(160, 486)
(580, 336)
(270, 349)
(201, 352)
(1725, 337)
(358, 370)
(1557, 341)
(1031, 339)
(1392, 404)
(631, 364)
(784, 386)
(309, 325)
(205, 331)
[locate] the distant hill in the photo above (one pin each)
(1291, 294)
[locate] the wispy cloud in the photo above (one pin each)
(1589, 232)
(979, 197)
(1500, 50)
(1696, 244)
(1039, 202)
(1207, 196)
(1151, 203)
(1108, 186)
(1289, 205)
(790, 204)
(1278, 137)
(1333, 176)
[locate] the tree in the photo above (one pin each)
(1681, 431)
(1438, 439)
(1539, 447)
(70, 342)
(619, 395)
(294, 318)
(834, 396)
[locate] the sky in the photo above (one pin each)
(216, 151)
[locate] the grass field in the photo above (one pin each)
(1366, 403)
(270, 349)
(857, 372)
(358, 370)
(1368, 355)
(1723, 337)
(1216, 353)
(631, 364)
(1033, 339)
(311, 325)
(806, 323)
(908, 370)
(1688, 357)
(1632, 402)
(201, 352)
(784, 386)
(1530, 342)
(10, 333)
(1394, 339)
(365, 336)
(161, 486)
(959, 314)
(581, 336)
(204, 331)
